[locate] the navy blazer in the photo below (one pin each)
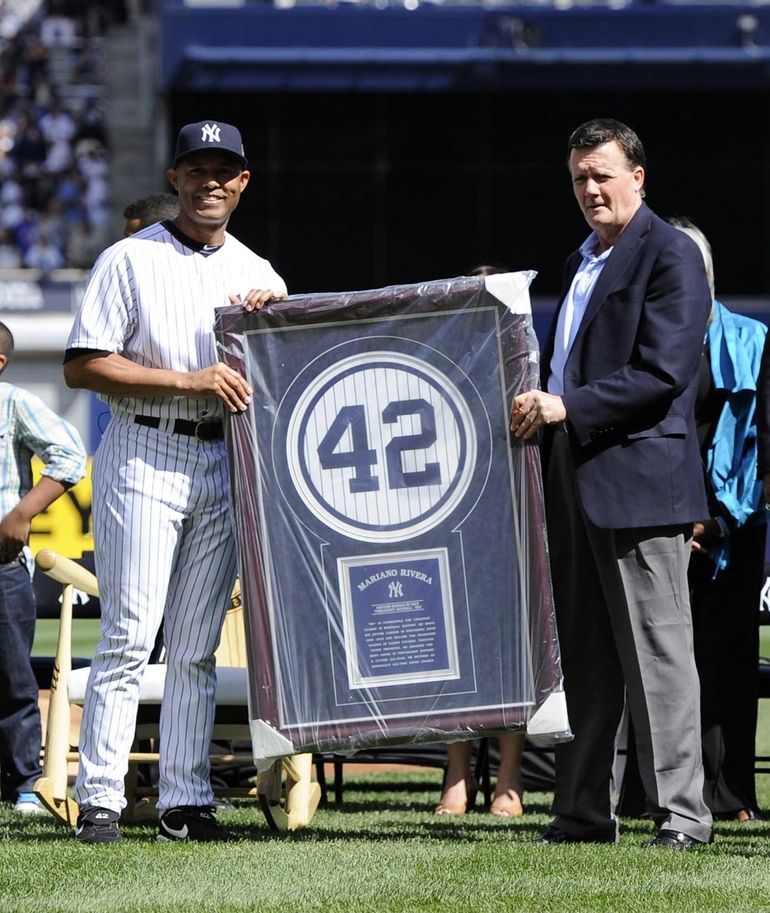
(631, 376)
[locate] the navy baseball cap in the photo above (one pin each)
(209, 134)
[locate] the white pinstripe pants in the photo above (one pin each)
(164, 550)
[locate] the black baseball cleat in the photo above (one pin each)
(190, 822)
(97, 825)
(554, 834)
(674, 840)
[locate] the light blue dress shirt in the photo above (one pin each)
(574, 308)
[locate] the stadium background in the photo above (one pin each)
(399, 142)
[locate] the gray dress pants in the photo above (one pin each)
(623, 616)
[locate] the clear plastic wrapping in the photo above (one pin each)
(391, 531)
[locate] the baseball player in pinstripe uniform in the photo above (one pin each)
(164, 548)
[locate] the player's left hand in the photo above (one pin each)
(534, 409)
(14, 531)
(257, 298)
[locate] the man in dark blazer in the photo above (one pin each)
(623, 487)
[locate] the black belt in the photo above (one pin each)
(203, 431)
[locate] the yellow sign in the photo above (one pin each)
(66, 525)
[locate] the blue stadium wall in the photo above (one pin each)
(399, 145)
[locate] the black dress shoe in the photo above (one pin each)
(675, 840)
(554, 834)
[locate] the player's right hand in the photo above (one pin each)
(223, 382)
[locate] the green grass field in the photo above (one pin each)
(383, 850)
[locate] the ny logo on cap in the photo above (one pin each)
(210, 133)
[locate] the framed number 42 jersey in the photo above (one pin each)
(390, 530)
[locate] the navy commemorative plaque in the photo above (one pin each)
(377, 497)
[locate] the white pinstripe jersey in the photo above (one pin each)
(151, 299)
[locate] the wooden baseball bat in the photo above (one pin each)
(67, 571)
(51, 788)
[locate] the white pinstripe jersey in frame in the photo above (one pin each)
(151, 299)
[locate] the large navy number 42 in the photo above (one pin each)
(362, 458)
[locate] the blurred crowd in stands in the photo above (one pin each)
(54, 152)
